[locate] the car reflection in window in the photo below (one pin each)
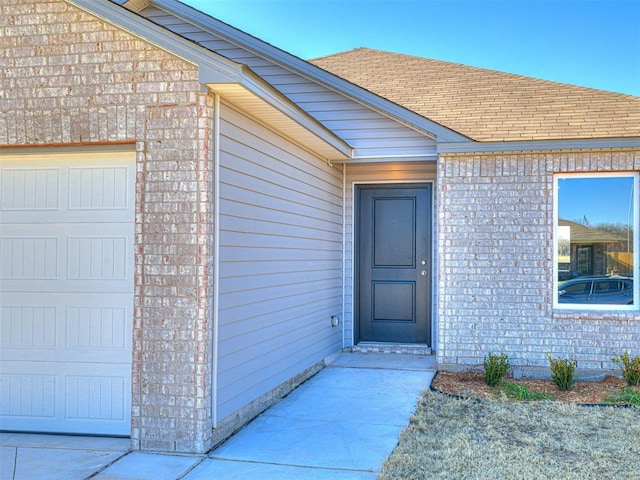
(597, 291)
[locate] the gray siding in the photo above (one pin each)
(410, 172)
(368, 132)
(280, 260)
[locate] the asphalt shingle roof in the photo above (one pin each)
(488, 105)
(587, 235)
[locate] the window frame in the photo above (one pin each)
(635, 217)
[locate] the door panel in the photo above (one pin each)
(394, 263)
(394, 225)
(394, 301)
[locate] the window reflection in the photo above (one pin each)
(595, 240)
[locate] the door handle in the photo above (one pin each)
(423, 273)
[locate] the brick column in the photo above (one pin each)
(171, 405)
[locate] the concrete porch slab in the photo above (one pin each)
(383, 360)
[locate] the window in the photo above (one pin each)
(596, 241)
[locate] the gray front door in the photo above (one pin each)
(393, 260)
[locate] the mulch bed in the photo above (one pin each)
(472, 385)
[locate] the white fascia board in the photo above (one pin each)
(301, 67)
(427, 157)
(538, 145)
(212, 68)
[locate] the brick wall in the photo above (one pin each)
(68, 78)
(495, 251)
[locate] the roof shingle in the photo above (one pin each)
(487, 105)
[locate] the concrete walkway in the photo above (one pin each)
(341, 424)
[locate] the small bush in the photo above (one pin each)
(630, 368)
(495, 367)
(562, 371)
(628, 396)
(519, 391)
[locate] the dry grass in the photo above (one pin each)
(484, 439)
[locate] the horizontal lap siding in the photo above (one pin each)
(370, 133)
(280, 260)
(374, 173)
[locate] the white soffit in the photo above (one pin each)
(286, 118)
(231, 80)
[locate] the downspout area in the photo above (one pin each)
(344, 251)
(216, 258)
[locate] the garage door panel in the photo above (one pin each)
(67, 263)
(99, 187)
(26, 189)
(98, 257)
(41, 397)
(67, 259)
(27, 326)
(67, 327)
(57, 191)
(29, 257)
(97, 328)
(28, 395)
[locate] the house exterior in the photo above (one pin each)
(593, 251)
(193, 220)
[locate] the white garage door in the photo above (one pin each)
(66, 253)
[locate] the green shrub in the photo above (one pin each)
(519, 391)
(630, 368)
(628, 396)
(562, 371)
(495, 367)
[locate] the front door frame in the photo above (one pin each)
(355, 185)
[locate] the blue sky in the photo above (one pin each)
(593, 43)
(601, 200)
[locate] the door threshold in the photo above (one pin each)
(383, 347)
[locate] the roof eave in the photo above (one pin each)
(538, 145)
(274, 109)
(291, 62)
